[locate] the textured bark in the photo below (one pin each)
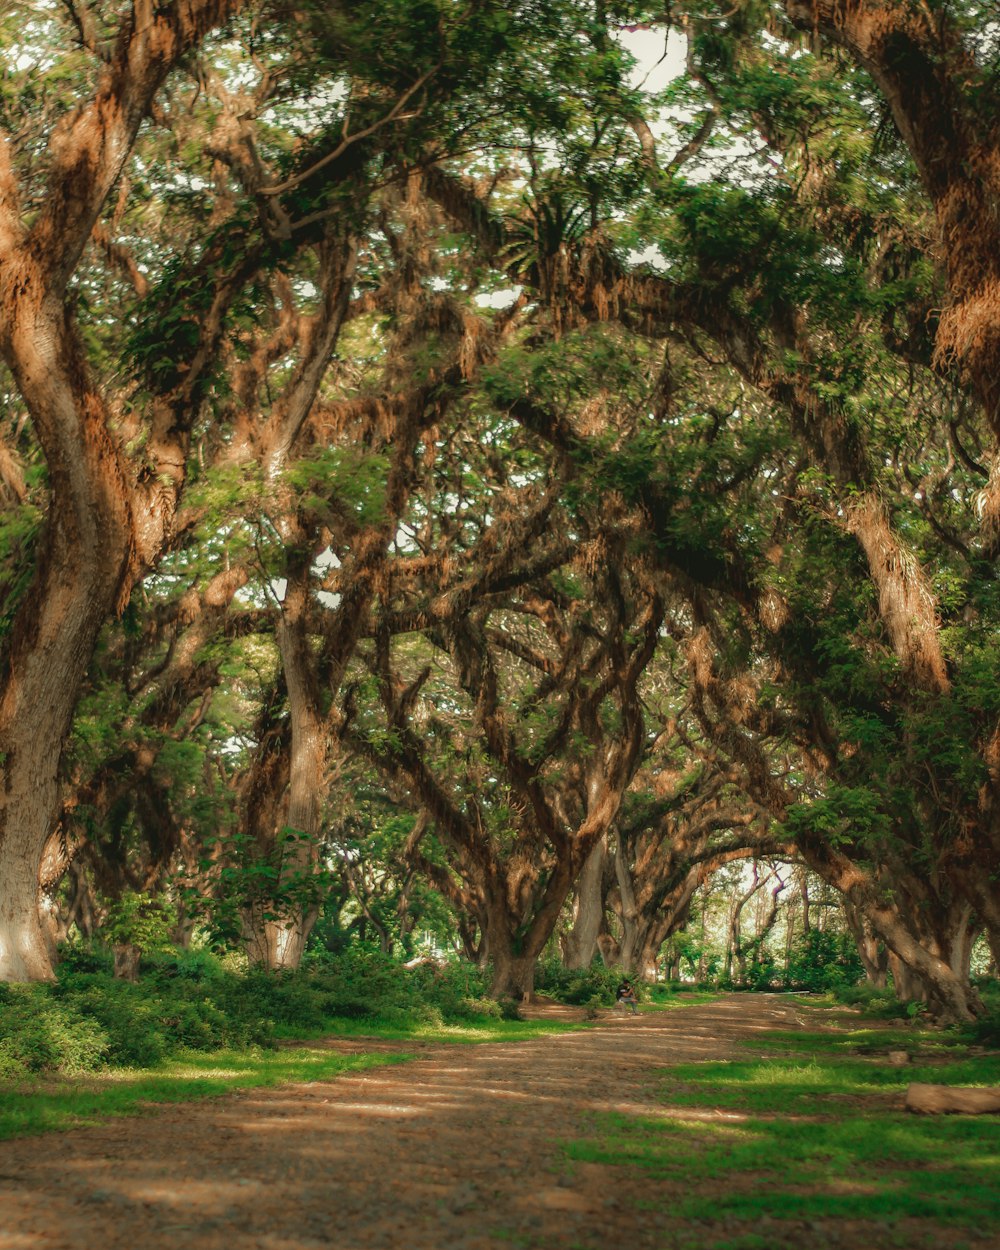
(275, 935)
(93, 543)
(907, 604)
(634, 926)
(871, 951)
(952, 1100)
(924, 65)
(580, 942)
(512, 976)
(127, 959)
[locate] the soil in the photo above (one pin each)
(459, 1149)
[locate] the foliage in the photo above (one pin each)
(139, 919)
(746, 430)
(38, 1034)
(191, 1002)
(823, 960)
(595, 985)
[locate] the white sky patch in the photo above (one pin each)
(327, 559)
(498, 299)
(659, 58)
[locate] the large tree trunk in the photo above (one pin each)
(94, 540)
(626, 952)
(83, 571)
(276, 935)
(949, 994)
(513, 976)
(580, 943)
(871, 951)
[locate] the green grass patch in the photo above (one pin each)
(418, 1030)
(669, 995)
(815, 1134)
(865, 1040)
(38, 1105)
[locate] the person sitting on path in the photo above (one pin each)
(626, 996)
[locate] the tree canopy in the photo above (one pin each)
(449, 470)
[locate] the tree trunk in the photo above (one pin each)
(871, 952)
(949, 994)
(909, 987)
(633, 931)
(580, 943)
(645, 967)
(513, 978)
(44, 675)
(95, 537)
(513, 973)
(127, 959)
(277, 930)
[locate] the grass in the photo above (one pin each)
(40, 1104)
(44, 1103)
(813, 1132)
(485, 1031)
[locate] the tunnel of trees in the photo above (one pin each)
(522, 474)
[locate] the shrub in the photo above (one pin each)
(38, 1034)
(192, 1001)
(761, 972)
(482, 1009)
(823, 961)
(876, 1001)
(580, 988)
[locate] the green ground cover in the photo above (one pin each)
(40, 1102)
(89, 1046)
(811, 1132)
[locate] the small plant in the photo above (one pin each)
(137, 922)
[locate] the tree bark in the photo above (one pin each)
(950, 995)
(871, 951)
(580, 943)
(127, 959)
(95, 539)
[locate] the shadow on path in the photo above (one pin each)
(457, 1149)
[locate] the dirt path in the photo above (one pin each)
(459, 1150)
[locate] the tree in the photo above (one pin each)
(108, 513)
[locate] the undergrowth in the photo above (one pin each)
(88, 1046)
(814, 1130)
(87, 1021)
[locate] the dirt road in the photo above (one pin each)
(459, 1150)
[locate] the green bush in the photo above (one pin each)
(824, 961)
(580, 988)
(876, 1001)
(84, 957)
(191, 1001)
(761, 972)
(38, 1034)
(167, 1012)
